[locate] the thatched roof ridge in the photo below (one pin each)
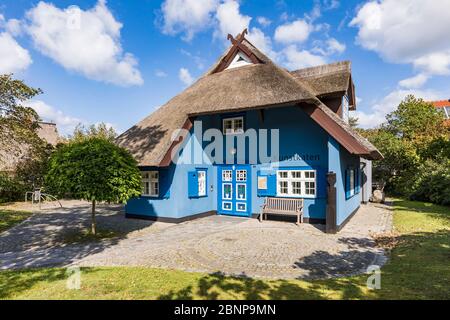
(326, 79)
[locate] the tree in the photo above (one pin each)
(416, 147)
(416, 121)
(18, 123)
(94, 170)
(100, 130)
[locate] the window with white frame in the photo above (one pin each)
(345, 108)
(233, 125)
(351, 177)
(150, 183)
(296, 183)
(447, 112)
(201, 183)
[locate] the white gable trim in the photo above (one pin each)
(239, 60)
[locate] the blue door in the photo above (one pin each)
(234, 192)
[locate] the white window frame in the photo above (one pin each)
(227, 175)
(236, 63)
(227, 202)
(233, 126)
(290, 180)
(201, 176)
(447, 111)
(351, 183)
(345, 108)
(237, 191)
(223, 191)
(152, 178)
(241, 175)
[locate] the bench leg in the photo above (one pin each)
(261, 217)
(298, 219)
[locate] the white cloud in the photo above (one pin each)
(434, 63)
(331, 4)
(263, 21)
(160, 74)
(389, 103)
(87, 42)
(14, 27)
(185, 76)
(329, 47)
(414, 82)
(296, 59)
(187, 16)
(407, 31)
(230, 20)
(65, 123)
(262, 42)
(335, 46)
(13, 57)
(294, 32)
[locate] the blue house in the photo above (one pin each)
(249, 129)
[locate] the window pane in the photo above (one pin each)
(283, 187)
(227, 191)
(297, 187)
(241, 192)
(227, 175)
(202, 183)
(310, 188)
(282, 174)
(310, 174)
(154, 175)
(241, 175)
(296, 174)
(238, 125)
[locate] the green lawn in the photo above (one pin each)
(419, 268)
(9, 218)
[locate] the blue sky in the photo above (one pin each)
(116, 61)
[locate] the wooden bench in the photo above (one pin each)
(282, 206)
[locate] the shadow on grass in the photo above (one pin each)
(418, 269)
(15, 282)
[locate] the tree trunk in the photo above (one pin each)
(93, 225)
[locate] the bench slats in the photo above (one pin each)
(286, 206)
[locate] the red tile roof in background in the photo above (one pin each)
(441, 103)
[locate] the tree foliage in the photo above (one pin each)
(416, 148)
(100, 130)
(18, 123)
(95, 170)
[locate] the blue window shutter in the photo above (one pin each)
(192, 184)
(271, 185)
(164, 183)
(321, 183)
(347, 184)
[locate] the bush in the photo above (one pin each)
(11, 189)
(433, 182)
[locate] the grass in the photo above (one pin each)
(9, 218)
(419, 268)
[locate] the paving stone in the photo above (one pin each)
(230, 245)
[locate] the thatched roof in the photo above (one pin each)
(327, 80)
(48, 132)
(253, 86)
(9, 159)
